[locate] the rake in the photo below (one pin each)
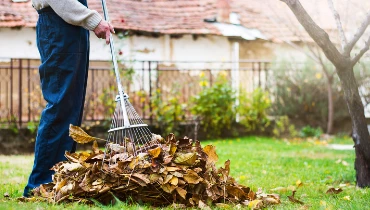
(128, 133)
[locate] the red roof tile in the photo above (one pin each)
(174, 16)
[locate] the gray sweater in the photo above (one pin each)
(71, 11)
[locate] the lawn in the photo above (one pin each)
(273, 165)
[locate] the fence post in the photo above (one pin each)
(11, 89)
(20, 93)
(259, 74)
(142, 88)
(150, 93)
(266, 75)
(29, 88)
(93, 95)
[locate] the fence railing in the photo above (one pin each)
(21, 99)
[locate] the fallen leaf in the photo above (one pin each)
(169, 169)
(347, 198)
(210, 150)
(174, 180)
(270, 201)
(256, 204)
(154, 177)
(167, 179)
(191, 177)
(155, 152)
(173, 148)
(168, 188)
(333, 190)
(237, 192)
(298, 183)
(202, 205)
(69, 167)
(80, 136)
(185, 158)
(181, 192)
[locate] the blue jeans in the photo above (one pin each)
(64, 51)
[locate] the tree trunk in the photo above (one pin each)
(360, 133)
(329, 127)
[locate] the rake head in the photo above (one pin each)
(128, 132)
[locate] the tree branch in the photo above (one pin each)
(360, 31)
(317, 34)
(343, 39)
(362, 52)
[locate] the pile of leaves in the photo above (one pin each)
(173, 171)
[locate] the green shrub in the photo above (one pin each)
(283, 128)
(168, 114)
(214, 106)
(308, 131)
(300, 92)
(253, 108)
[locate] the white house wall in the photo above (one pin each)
(21, 43)
(18, 43)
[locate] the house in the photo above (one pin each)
(174, 35)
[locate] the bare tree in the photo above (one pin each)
(344, 64)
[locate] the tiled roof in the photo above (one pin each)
(179, 16)
(17, 14)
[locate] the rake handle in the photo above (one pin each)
(115, 65)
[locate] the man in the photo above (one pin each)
(63, 41)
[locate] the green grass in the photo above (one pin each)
(256, 162)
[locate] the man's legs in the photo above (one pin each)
(63, 75)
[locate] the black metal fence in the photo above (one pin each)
(21, 100)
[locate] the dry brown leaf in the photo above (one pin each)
(270, 201)
(134, 162)
(174, 181)
(167, 178)
(177, 174)
(256, 204)
(155, 152)
(186, 158)
(80, 136)
(235, 191)
(251, 195)
(66, 189)
(142, 177)
(169, 169)
(168, 188)
(173, 148)
(333, 190)
(210, 150)
(153, 178)
(191, 177)
(60, 184)
(202, 205)
(69, 167)
(181, 192)
(95, 148)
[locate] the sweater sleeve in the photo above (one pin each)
(75, 13)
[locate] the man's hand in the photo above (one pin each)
(103, 30)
